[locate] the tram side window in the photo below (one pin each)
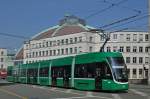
(92, 70)
(57, 72)
(32, 72)
(23, 72)
(67, 71)
(44, 72)
(62, 71)
(84, 70)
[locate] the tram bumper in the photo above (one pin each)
(111, 85)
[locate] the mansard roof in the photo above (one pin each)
(68, 25)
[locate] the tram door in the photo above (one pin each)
(98, 79)
(66, 79)
(35, 76)
(28, 77)
(54, 76)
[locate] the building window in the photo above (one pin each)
(134, 59)
(71, 41)
(91, 39)
(127, 59)
(62, 51)
(75, 40)
(121, 48)
(58, 52)
(50, 43)
(2, 59)
(146, 37)
(114, 48)
(66, 50)
(146, 60)
(66, 41)
(141, 37)
(140, 71)
(80, 39)
(54, 52)
(75, 50)
(43, 53)
(71, 51)
(43, 45)
(134, 37)
(140, 49)
(134, 49)
(146, 49)
(39, 53)
(62, 41)
(58, 42)
(46, 52)
(90, 49)
(140, 60)
(134, 73)
(114, 36)
(2, 66)
(128, 37)
(27, 47)
(50, 52)
(33, 54)
(108, 49)
(128, 49)
(80, 49)
(40, 45)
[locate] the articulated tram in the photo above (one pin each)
(90, 71)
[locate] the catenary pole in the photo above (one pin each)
(149, 41)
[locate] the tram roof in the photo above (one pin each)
(79, 59)
(95, 57)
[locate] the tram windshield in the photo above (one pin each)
(119, 68)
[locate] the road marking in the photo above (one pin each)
(53, 88)
(116, 96)
(138, 92)
(83, 97)
(13, 94)
(68, 91)
(88, 94)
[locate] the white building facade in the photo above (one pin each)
(5, 59)
(72, 36)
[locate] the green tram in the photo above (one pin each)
(90, 71)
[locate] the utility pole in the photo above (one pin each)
(149, 40)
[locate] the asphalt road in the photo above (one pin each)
(23, 91)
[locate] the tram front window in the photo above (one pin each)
(119, 68)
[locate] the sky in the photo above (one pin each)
(28, 17)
